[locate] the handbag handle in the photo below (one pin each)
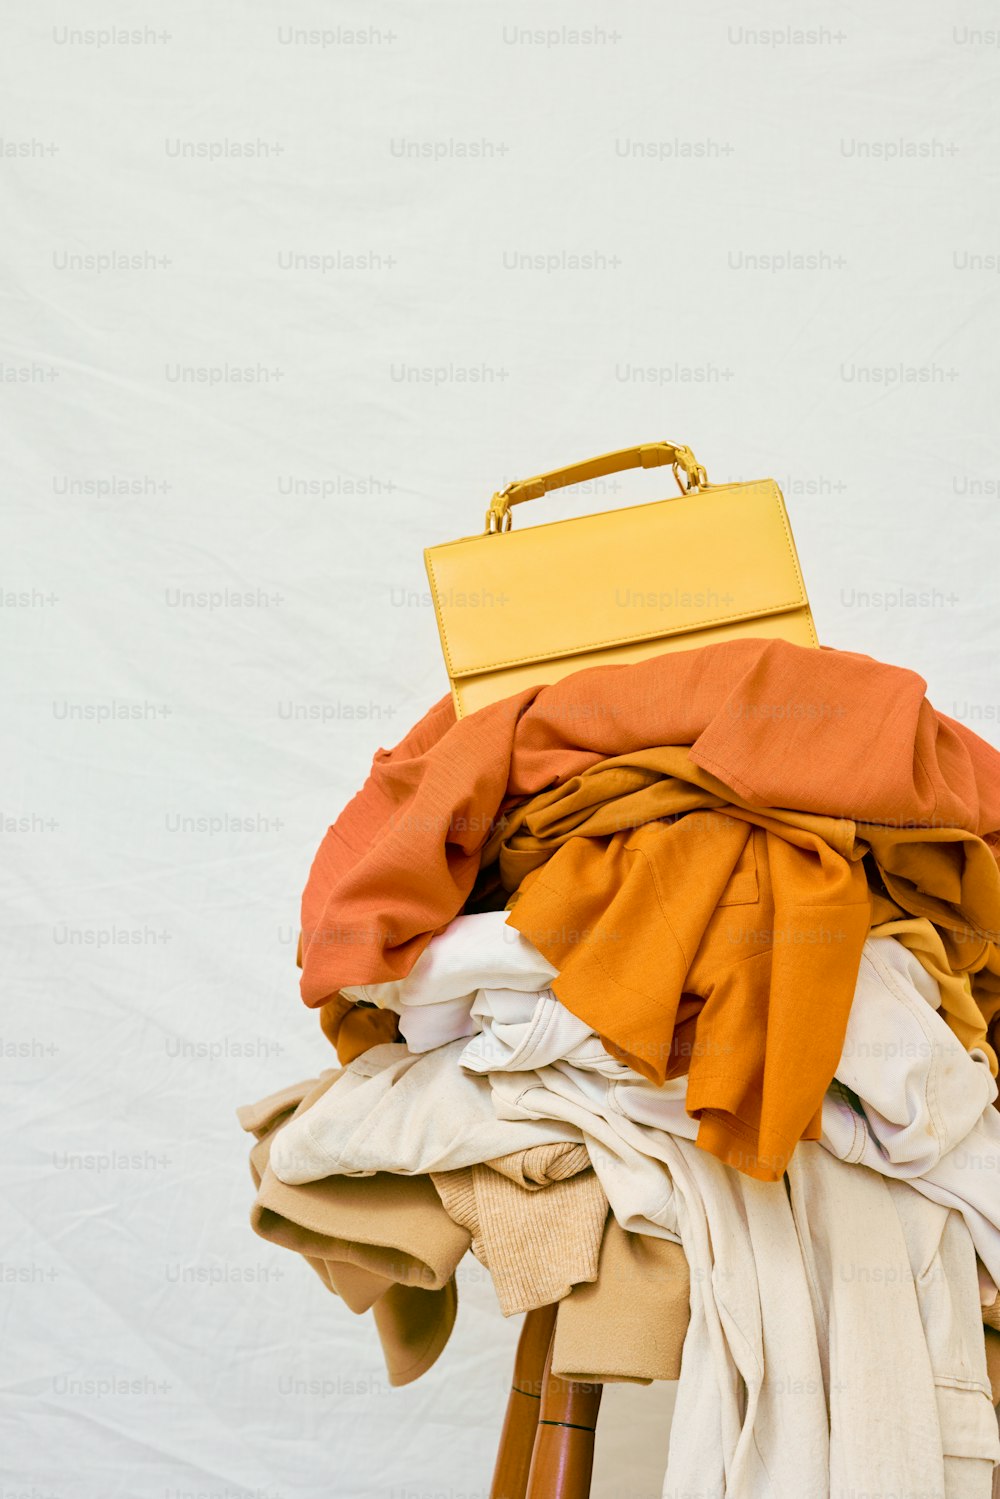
(646, 455)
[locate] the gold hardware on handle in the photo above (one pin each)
(498, 516)
(695, 477)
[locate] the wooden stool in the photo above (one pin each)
(547, 1443)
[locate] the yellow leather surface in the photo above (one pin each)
(470, 693)
(532, 605)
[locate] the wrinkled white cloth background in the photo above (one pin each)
(288, 292)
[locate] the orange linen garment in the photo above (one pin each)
(763, 925)
(783, 725)
(945, 875)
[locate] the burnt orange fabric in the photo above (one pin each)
(736, 915)
(826, 732)
(948, 873)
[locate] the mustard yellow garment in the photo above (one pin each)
(920, 937)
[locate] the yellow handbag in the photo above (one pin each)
(520, 608)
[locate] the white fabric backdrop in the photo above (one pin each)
(281, 308)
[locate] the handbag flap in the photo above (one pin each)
(646, 572)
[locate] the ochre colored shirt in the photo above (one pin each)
(765, 928)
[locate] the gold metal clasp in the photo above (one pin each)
(498, 516)
(695, 477)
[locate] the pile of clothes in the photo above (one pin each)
(672, 990)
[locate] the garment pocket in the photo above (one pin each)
(968, 1424)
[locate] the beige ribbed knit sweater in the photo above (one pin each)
(536, 1218)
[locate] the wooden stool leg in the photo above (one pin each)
(510, 1476)
(563, 1459)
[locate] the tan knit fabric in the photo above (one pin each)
(386, 1243)
(540, 1165)
(993, 1362)
(537, 1237)
(991, 1314)
(629, 1325)
(376, 1242)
